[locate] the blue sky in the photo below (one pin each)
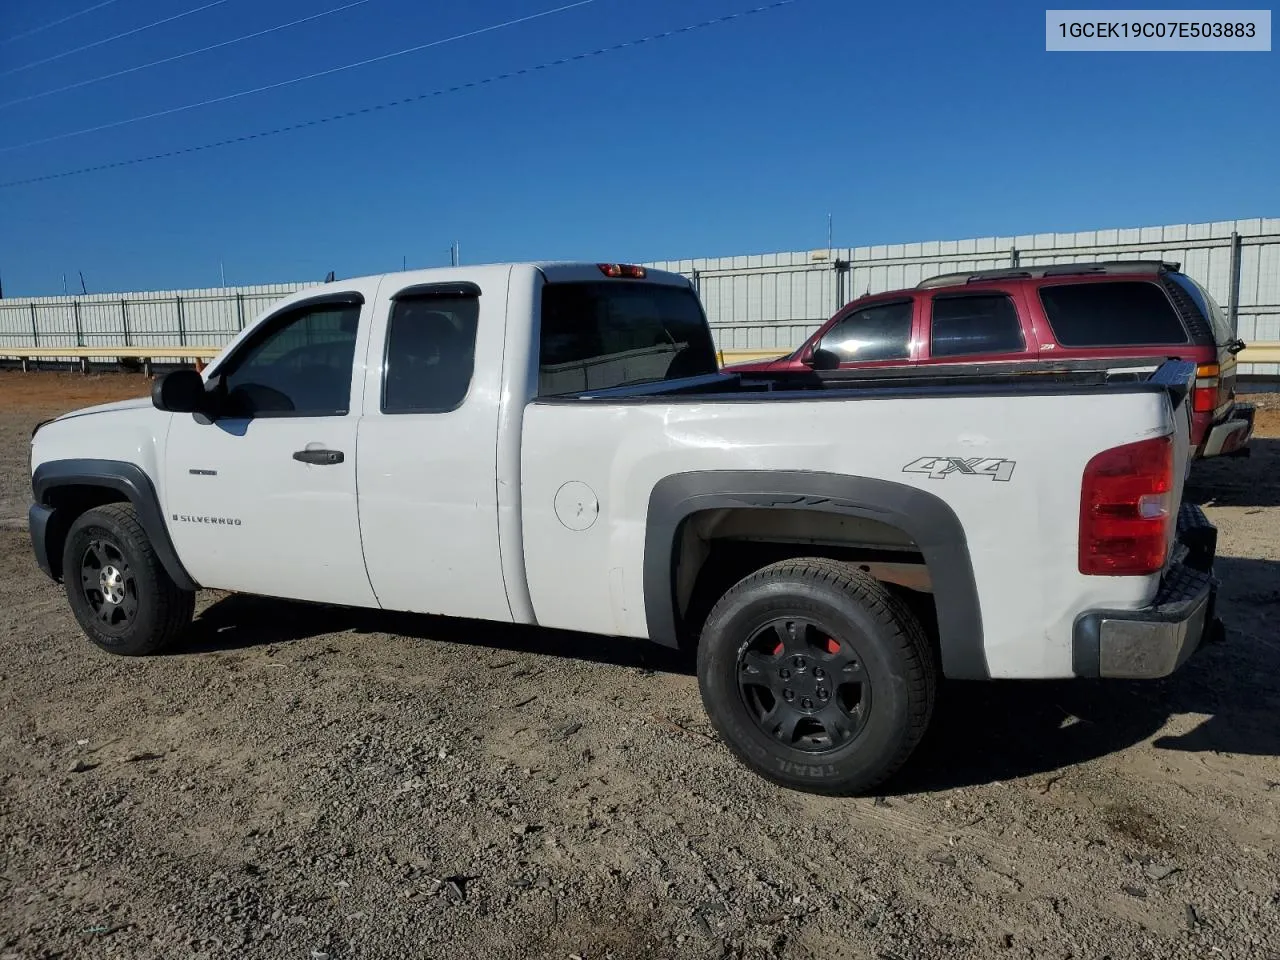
(906, 121)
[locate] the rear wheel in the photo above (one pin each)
(119, 591)
(816, 676)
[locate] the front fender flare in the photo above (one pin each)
(124, 478)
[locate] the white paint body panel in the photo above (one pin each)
(131, 430)
(457, 513)
(1022, 534)
(428, 481)
(299, 532)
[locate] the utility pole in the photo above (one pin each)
(83, 289)
(64, 283)
(222, 272)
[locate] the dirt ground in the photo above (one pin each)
(303, 782)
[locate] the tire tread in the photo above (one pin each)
(901, 626)
(174, 606)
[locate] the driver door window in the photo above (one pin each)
(300, 366)
(881, 331)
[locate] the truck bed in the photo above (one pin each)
(988, 379)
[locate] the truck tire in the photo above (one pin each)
(816, 676)
(119, 591)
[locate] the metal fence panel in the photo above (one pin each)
(758, 302)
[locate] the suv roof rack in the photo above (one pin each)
(1103, 267)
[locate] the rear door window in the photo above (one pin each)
(965, 324)
(431, 353)
(881, 331)
(616, 333)
(1122, 313)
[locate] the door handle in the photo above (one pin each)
(320, 457)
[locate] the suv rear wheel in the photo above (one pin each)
(119, 591)
(816, 676)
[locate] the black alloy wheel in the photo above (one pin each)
(118, 588)
(110, 588)
(804, 687)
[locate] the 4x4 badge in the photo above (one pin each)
(939, 468)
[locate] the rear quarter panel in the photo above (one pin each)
(1021, 534)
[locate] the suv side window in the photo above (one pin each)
(975, 323)
(881, 331)
(1121, 313)
(299, 365)
(431, 353)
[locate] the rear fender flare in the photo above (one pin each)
(927, 519)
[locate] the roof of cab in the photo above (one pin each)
(555, 271)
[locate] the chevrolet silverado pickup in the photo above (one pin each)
(555, 444)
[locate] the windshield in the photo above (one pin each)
(613, 333)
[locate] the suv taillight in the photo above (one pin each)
(1205, 398)
(1126, 508)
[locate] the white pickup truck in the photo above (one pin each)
(555, 444)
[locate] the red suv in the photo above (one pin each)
(1105, 315)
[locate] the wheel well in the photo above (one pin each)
(716, 548)
(69, 503)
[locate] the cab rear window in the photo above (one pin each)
(1118, 314)
(601, 335)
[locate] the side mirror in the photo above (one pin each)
(179, 391)
(824, 360)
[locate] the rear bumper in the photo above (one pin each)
(1231, 435)
(1156, 640)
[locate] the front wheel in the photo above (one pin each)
(119, 591)
(816, 676)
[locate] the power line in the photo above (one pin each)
(182, 56)
(56, 23)
(333, 118)
(285, 83)
(118, 36)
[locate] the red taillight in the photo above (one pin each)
(1126, 508)
(1204, 398)
(622, 270)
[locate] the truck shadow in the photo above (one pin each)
(1252, 481)
(241, 621)
(985, 732)
(982, 732)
